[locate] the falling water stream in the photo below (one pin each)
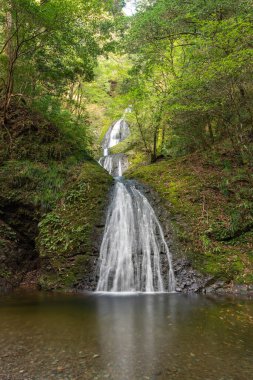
(134, 256)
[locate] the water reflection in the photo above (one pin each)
(147, 327)
(46, 336)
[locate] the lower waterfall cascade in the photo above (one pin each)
(134, 255)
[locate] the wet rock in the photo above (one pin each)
(188, 279)
(17, 256)
(112, 161)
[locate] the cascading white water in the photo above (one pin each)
(107, 163)
(134, 256)
(120, 168)
(114, 164)
(133, 246)
(118, 132)
(115, 136)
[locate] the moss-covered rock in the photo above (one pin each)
(67, 234)
(50, 181)
(211, 203)
(67, 203)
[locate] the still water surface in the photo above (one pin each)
(156, 337)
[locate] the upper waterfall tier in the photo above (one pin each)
(115, 164)
(118, 132)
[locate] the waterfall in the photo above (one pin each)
(118, 132)
(115, 164)
(120, 168)
(134, 256)
(133, 246)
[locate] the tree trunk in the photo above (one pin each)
(154, 154)
(210, 130)
(148, 151)
(163, 135)
(156, 134)
(11, 54)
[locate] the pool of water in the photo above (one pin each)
(156, 337)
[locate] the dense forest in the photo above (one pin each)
(186, 68)
(68, 69)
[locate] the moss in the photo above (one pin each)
(123, 147)
(64, 277)
(5, 274)
(48, 281)
(128, 146)
(66, 233)
(210, 202)
(224, 267)
(47, 179)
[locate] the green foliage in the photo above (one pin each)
(75, 129)
(48, 51)
(62, 195)
(33, 183)
(190, 83)
(105, 101)
(58, 38)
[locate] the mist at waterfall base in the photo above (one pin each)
(134, 256)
